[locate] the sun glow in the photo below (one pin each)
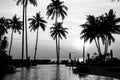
(79, 44)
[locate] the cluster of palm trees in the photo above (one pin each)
(96, 28)
(55, 10)
(101, 28)
(14, 24)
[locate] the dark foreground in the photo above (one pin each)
(98, 70)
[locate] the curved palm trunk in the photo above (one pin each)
(11, 42)
(36, 44)
(106, 46)
(26, 31)
(98, 46)
(23, 35)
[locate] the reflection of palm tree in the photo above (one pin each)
(58, 72)
(36, 22)
(16, 26)
(58, 31)
(25, 3)
(56, 9)
(3, 26)
(91, 31)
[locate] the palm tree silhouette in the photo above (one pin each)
(25, 3)
(55, 10)
(109, 25)
(16, 26)
(22, 2)
(3, 26)
(101, 27)
(36, 22)
(58, 31)
(91, 31)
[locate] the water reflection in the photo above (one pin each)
(58, 72)
(51, 72)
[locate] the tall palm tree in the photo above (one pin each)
(58, 31)
(22, 2)
(36, 22)
(16, 26)
(110, 25)
(25, 3)
(55, 10)
(92, 31)
(3, 26)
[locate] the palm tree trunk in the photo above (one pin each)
(23, 35)
(26, 31)
(57, 50)
(36, 44)
(84, 51)
(97, 46)
(11, 42)
(106, 46)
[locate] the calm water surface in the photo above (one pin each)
(51, 72)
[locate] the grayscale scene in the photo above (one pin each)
(59, 40)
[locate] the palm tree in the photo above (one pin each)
(58, 31)
(25, 3)
(16, 26)
(101, 27)
(109, 25)
(92, 31)
(22, 2)
(3, 26)
(55, 10)
(36, 22)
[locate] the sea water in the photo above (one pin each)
(51, 72)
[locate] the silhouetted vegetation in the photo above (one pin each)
(55, 10)
(36, 22)
(25, 4)
(5, 59)
(102, 27)
(16, 25)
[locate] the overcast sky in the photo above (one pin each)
(77, 11)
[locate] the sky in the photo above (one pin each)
(77, 12)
